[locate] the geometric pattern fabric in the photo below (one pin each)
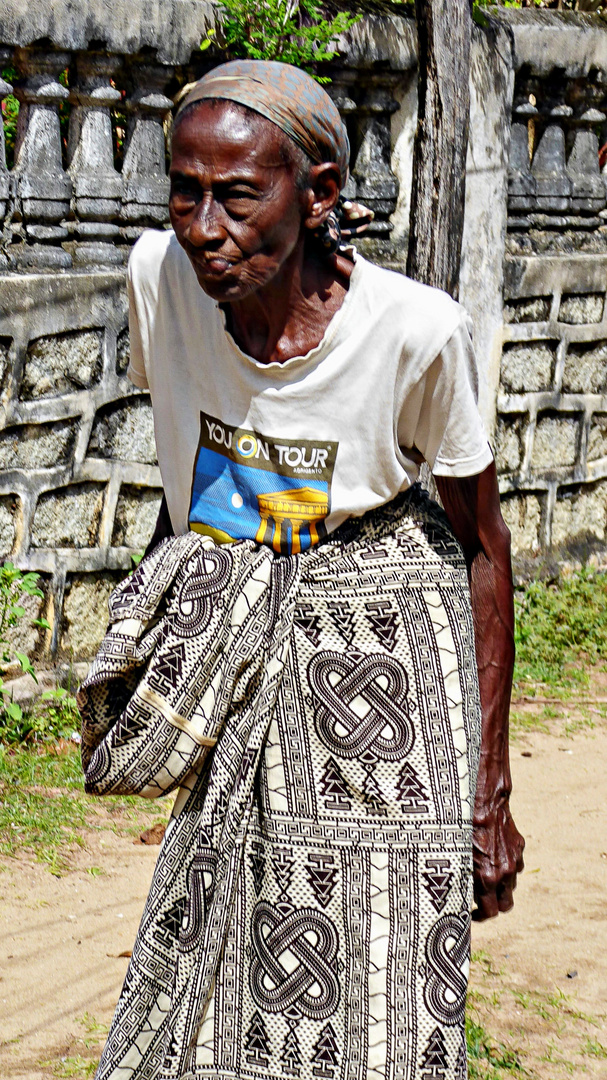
(309, 915)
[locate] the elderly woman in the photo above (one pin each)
(312, 688)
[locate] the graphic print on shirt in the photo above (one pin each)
(248, 486)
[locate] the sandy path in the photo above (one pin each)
(60, 937)
(559, 922)
(59, 945)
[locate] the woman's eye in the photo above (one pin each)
(239, 195)
(182, 191)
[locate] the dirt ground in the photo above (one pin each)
(64, 939)
(554, 941)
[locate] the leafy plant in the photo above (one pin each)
(293, 31)
(560, 624)
(54, 716)
(10, 113)
(15, 584)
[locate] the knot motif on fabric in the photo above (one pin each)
(207, 573)
(447, 960)
(380, 722)
(275, 986)
(201, 883)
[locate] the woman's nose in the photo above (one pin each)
(205, 225)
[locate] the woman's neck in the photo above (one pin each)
(288, 316)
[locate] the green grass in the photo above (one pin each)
(488, 1059)
(73, 1067)
(561, 628)
(551, 1005)
(43, 808)
(594, 1048)
(566, 1044)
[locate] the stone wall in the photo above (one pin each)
(79, 484)
(551, 440)
(551, 404)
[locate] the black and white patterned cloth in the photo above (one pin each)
(309, 914)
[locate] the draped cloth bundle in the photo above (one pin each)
(319, 716)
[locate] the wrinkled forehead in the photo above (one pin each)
(211, 126)
(286, 96)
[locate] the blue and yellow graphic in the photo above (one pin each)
(274, 491)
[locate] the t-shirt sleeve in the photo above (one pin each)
(450, 433)
(136, 369)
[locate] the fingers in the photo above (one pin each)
(495, 876)
(498, 858)
(491, 901)
(505, 899)
(486, 907)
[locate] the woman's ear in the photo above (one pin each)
(322, 193)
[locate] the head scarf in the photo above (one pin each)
(299, 106)
(288, 97)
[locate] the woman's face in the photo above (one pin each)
(234, 204)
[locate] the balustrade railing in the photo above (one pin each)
(555, 180)
(90, 155)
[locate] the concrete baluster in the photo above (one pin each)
(340, 90)
(5, 179)
(376, 184)
(587, 186)
(146, 185)
(97, 184)
(549, 166)
(521, 182)
(43, 187)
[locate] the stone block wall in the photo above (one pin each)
(551, 402)
(551, 436)
(79, 482)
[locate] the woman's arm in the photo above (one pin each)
(473, 508)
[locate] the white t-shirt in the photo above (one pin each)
(285, 452)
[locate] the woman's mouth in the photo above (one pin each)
(212, 266)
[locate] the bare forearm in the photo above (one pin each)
(472, 505)
(493, 612)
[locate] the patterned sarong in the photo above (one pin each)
(309, 912)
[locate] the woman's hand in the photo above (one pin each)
(473, 508)
(497, 852)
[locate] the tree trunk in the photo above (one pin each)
(441, 141)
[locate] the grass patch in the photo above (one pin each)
(488, 1059)
(559, 628)
(78, 1065)
(552, 1006)
(73, 1067)
(531, 1033)
(43, 807)
(523, 722)
(594, 1048)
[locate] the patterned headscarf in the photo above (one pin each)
(288, 97)
(300, 107)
